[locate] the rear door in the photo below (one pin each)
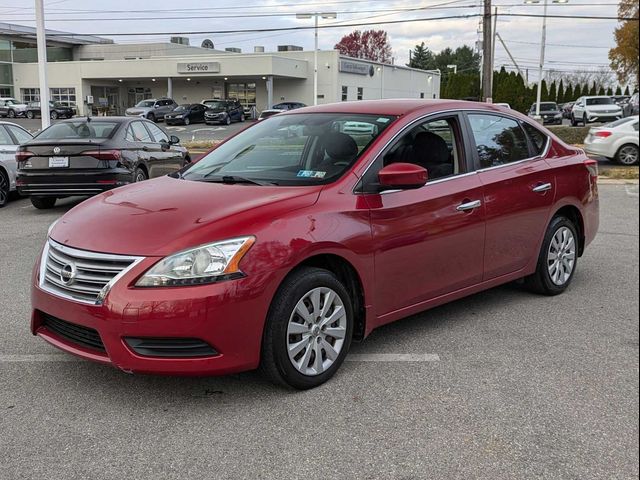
(148, 152)
(170, 158)
(10, 137)
(518, 190)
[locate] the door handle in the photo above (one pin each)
(543, 187)
(463, 207)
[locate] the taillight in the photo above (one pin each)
(23, 155)
(104, 154)
(603, 133)
(592, 166)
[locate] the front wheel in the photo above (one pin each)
(151, 117)
(227, 120)
(30, 114)
(53, 115)
(43, 203)
(585, 120)
(557, 260)
(12, 114)
(140, 175)
(187, 121)
(574, 123)
(627, 154)
(4, 189)
(308, 330)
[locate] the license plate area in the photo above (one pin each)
(58, 162)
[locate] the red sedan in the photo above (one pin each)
(307, 231)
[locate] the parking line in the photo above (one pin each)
(632, 190)
(393, 357)
(38, 357)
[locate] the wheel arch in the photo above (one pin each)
(574, 214)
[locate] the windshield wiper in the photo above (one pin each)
(233, 179)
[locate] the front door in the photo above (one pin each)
(518, 190)
(170, 160)
(430, 240)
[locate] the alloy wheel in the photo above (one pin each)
(12, 114)
(628, 155)
(4, 189)
(561, 257)
(316, 331)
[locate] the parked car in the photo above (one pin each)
(186, 114)
(56, 110)
(10, 107)
(11, 135)
(503, 105)
(153, 109)
(566, 109)
(288, 106)
(549, 112)
(618, 141)
(277, 250)
(631, 108)
(223, 112)
(620, 100)
(595, 109)
(86, 156)
(269, 112)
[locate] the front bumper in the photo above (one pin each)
(71, 182)
(604, 117)
(228, 316)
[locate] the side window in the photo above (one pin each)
(5, 139)
(20, 135)
(157, 133)
(538, 139)
(499, 140)
(635, 126)
(140, 134)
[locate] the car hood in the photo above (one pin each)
(137, 110)
(165, 215)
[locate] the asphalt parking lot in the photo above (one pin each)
(502, 385)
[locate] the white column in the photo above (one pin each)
(169, 87)
(269, 91)
(42, 64)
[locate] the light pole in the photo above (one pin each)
(316, 15)
(542, 45)
(42, 64)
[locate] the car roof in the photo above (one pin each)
(396, 107)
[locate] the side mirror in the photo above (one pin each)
(173, 140)
(403, 176)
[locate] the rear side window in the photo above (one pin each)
(20, 135)
(157, 133)
(140, 134)
(5, 139)
(538, 139)
(499, 140)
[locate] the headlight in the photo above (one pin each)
(178, 116)
(200, 265)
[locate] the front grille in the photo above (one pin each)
(80, 275)
(170, 347)
(84, 336)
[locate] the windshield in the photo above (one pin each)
(600, 101)
(298, 149)
(547, 107)
(145, 103)
(78, 130)
(215, 104)
(181, 108)
(11, 101)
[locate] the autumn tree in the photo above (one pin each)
(369, 44)
(625, 56)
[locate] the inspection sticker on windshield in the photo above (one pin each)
(311, 174)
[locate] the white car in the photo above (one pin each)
(504, 105)
(11, 135)
(595, 109)
(617, 141)
(10, 107)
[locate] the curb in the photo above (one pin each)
(616, 181)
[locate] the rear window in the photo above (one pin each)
(622, 121)
(78, 130)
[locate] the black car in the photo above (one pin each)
(223, 111)
(549, 112)
(56, 110)
(186, 114)
(86, 156)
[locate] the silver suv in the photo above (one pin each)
(10, 107)
(595, 109)
(153, 109)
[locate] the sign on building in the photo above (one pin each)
(199, 67)
(347, 66)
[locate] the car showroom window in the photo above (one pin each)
(140, 134)
(499, 140)
(157, 132)
(538, 139)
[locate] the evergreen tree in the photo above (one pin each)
(422, 58)
(568, 94)
(609, 91)
(553, 92)
(602, 91)
(626, 91)
(561, 92)
(585, 90)
(544, 96)
(618, 90)
(593, 91)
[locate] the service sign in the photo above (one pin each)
(358, 68)
(199, 67)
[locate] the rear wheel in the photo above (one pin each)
(54, 115)
(574, 123)
(151, 117)
(140, 175)
(30, 114)
(227, 120)
(4, 188)
(308, 330)
(187, 121)
(557, 260)
(43, 203)
(627, 154)
(585, 120)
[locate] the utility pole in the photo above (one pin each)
(487, 72)
(42, 64)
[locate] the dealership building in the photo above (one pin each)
(95, 74)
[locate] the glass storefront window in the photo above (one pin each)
(6, 74)
(5, 51)
(30, 95)
(66, 96)
(245, 93)
(28, 53)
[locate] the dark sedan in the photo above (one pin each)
(86, 156)
(224, 112)
(549, 112)
(186, 114)
(56, 110)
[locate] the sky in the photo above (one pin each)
(572, 44)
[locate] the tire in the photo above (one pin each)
(283, 319)
(151, 117)
(140, 175)
(43, 203)
(187, 121)
(53, 115)
(242, 118)
(5, 188)
(30, 114)
(227, 120)
(573, 121)
(584, 120)
(11, 114)
(627, 154)
(543, 281)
